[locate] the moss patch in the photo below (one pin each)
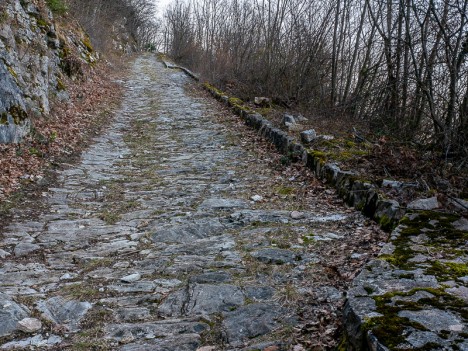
(3, 17)
(438, 235)
(17, 114)
(57, 6)
(448, 270)
(389, 328)
(12, 72)
(87, 43)
(211, 88)
(443, 238)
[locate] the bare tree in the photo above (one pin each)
(398, 64)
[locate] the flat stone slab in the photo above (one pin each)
(223, 204)
(253, 320)
(276, 256)
(135, 287)
(64, 312)
(424, 204)
(35, 341)
(133, 314)
(184, 342)
(259, 293)
(24, 249)
(126, 332)
(202, 299)
(10, 314)
(188, 232)
(435, 320)
(211, 277)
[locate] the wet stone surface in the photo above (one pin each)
(152, 242)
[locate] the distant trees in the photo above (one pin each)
(399, 64)
(111, 22)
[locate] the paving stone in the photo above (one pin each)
(252, 321)
(24, 249)
(10, 314)
(276, 256)
(4, 253)
(202, 299)
(223, 204)
(418, 339)
(29, 325)
(133, 314)
(35, 341)
(435, 320)
(64, 312)
(154, 330)
(211, 277)
(131, 278)
(424, 204)
(184, 342)
(259, 293)
(135, 287)
(188, 232)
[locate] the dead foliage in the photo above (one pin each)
(63, 132)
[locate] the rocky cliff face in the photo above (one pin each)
(36, 55)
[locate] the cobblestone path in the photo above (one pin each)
(174, 232)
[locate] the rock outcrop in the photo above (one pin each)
(36, 56)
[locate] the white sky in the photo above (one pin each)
(162, 4)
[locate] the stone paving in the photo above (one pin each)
(153, 242)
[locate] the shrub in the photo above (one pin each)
(57, 6)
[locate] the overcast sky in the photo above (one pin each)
(162, 5)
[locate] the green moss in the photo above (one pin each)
(386, 223)
(96, 263)
(17, 114)
(321, 155)
(12, 72)
(448, 270)
(284, 190)
(57, 6)
(3, 17)
(87, 43)
(443, 238)
(81, 291)
(4, 118)
(60, 85)
(264, 111)
(389, 327)
(41, 22)
(35, 152)
(308, 239)
(210, 87)
(109, 217)
(233, 101)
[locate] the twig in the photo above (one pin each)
(427, 186)
(457, 201)
(387, 172)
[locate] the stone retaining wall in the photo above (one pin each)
(414, 296)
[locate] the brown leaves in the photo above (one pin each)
(61, 133)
